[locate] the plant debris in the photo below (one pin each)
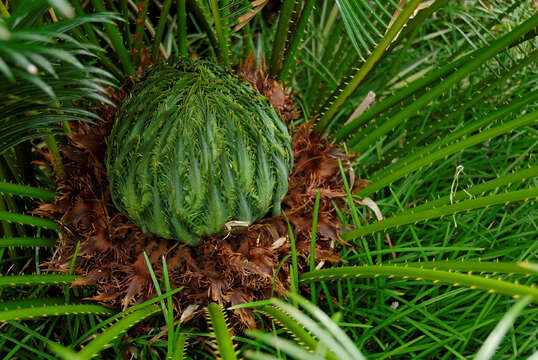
(230, 269)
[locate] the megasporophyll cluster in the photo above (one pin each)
(193, 148)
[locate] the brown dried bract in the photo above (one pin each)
(231, 268)
(257, 76)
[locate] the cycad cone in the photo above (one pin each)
(194, 147)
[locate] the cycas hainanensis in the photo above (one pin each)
(194, 147)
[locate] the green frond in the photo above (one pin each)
(28, 220)
(219, 328)
(468, 266)
(63, 352)
(301, 336)
(436, 276)
(279, 42)
(41, 279)
(361, 73)
(286, 346)
(128, 311)
(180, 347)
(108, 336)
(42, 72)
(410, 216)
(328, 332)
(38, 310)
(489, 347)
(483, 188)
(427, 158)
(26, 191)
(26, 242)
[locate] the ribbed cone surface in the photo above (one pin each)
(193, 148)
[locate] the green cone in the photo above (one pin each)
(194, 147)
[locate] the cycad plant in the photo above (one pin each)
(410, 217)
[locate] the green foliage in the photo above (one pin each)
(279, 42)
(481, 189)
(487, 350)
(21, 190)
(106, 338)
(182, 28)
(167, 308)
(322, 337)
(477, 59)
(28, 220)
(116, 40)
(365, 22)
(116, 317)
(293, 327)
(36, 310)
(30, 242)
(454, 84)
(194, 148)
(179, 347)
(160, 27)
(42, 72)
(290, 59)
(113, 332)
(409, 217)
(456, 279)
(222, 32)
(511, 109)
(219, 327)
(469, 266)
(361, 73)
(63, 352)
(41, 279)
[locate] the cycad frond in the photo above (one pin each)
(45, 74)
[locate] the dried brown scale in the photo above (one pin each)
(229, 269)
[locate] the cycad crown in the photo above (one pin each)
(194, 147)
